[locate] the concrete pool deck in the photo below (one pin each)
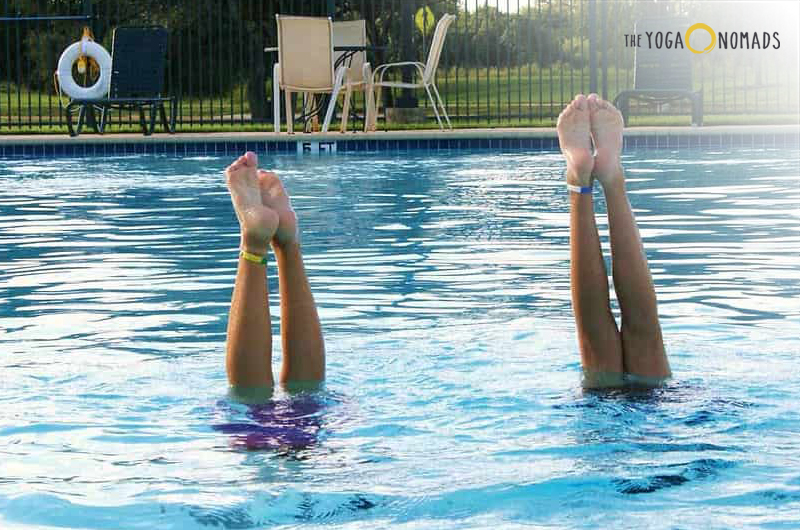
(426, 134)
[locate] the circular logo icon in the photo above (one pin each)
(710, 31)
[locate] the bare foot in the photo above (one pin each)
(575, 141)
(258, 222)
(607, 135)
(274, 196)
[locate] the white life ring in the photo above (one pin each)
(68, 58)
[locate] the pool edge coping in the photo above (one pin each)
(428, 134)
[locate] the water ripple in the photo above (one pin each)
(453, 396)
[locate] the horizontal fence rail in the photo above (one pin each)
(504, 62)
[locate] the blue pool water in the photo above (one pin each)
(453, 397)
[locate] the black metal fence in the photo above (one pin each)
(505, 62)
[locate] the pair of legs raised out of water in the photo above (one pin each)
(266, 218)
(608, 353)
(610, 356)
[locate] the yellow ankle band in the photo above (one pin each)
(254, 258)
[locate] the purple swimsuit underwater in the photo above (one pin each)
(291, 424)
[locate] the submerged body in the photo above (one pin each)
(290, 424)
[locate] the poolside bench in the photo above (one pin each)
(138, 60)
(662, 75)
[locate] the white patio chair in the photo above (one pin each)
(305, 64)
(359, 72)
(426, 76)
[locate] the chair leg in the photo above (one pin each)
(310, 123)
(152, 126)
(276, 98)
(142, 123)
(337, 87)
(81, 117)
(433, 104)
(168, 121)
(444, 111)
(373, 126)
(369, 106)
(346, 108)
(369, 94)
(162, 114)
(289, 112)
(103, 118)
(91, 119)
(331, 107)
(70, 128)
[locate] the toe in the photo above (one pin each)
(580, 102)
(235, 165)
(250, 159)
(266, 178)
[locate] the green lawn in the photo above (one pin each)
(725, 119)
(474, 97)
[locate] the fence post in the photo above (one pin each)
(604, 48)
(87, 10)
(407, 100)
(592, 46)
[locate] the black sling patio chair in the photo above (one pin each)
(138, 60)
(661, 75)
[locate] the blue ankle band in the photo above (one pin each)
(579, 189)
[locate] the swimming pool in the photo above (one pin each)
(453, 396)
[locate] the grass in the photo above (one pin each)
(518, 97)
(636, 121)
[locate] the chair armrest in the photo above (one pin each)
(403, 63)
(381, 70)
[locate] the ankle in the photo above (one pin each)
(579, 177)
(286, 247)
(253, 245)
(607, 167)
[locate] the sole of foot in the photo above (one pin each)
(574, 138)
(257, 221)
(273, 195)
(606, 128)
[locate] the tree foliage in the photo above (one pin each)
(216, 45)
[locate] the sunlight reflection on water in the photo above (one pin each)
(453, 396)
